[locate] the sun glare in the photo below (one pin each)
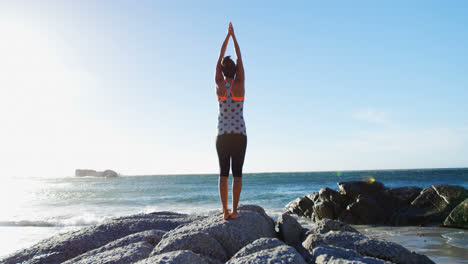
(37, 90)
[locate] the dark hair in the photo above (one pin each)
(229, 67)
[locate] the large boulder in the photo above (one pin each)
(69, 245)
(459, 216)
(179, 257)
(365, 246)
(221, 239)
(435, 203)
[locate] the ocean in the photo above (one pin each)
(36, 208)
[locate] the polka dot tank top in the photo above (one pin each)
(231, 115)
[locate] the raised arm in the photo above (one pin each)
(219, 79)
(240, 66)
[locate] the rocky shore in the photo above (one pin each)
(370, 202)
(167, 237)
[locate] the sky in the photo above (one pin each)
(129, 86)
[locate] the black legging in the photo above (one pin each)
(231, 146)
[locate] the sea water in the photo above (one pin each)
(34, 208)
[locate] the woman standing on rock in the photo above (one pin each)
(231, 141)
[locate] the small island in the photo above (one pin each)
(93, 173)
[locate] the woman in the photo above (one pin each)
(231, 141)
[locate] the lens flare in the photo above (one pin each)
(370, 179)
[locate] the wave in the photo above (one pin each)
(74, 221)
(457, 239)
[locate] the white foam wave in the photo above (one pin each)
(84, 220)
(457, 239)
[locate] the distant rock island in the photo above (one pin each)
(93, 173)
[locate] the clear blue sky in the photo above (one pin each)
(329, 85)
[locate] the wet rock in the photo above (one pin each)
(367, 210)
(324, 209)
(179, 257)
(435, 203)
(405, 195)
(69, 245)
(459, 216)
(367, 202)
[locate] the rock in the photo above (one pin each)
(290, 231)
(324, 209)
(258, 209)
(327, 225)
(197, 242)
(280, 254)
(69, 245)
(93, 173)
(334, 238)
(232, 235)
(352, 189)
(302, 206)
(151, 236)
(121, 255)
(367, 210)
(109, 173)
(459, 216)
(179, 257)
(325, 254)
(327, 194)
(435, 203)
(404, 194)
(258, 245)
(390, 251)
(369, 247)
(370, 202)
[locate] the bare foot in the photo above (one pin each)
(227, 215)
(235, 215)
